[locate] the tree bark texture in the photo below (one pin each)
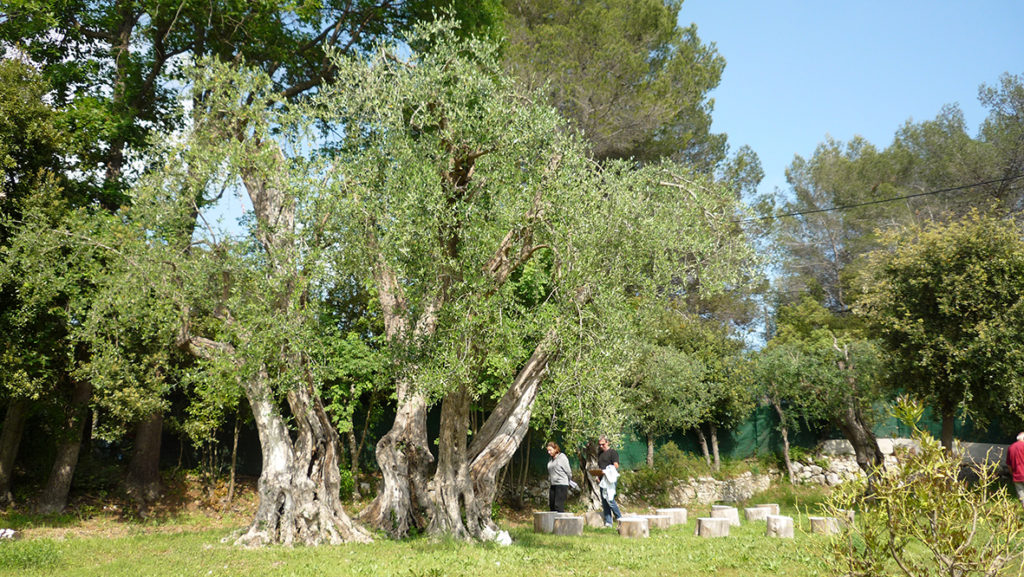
(501, 434)
(784, 431)
(650, 450)
(404, 459)
(55, 494)
(300, 482)
(714, 446)
(946, 434)
(703, 442)
(451, 488)
(143, 480)
(10, 440)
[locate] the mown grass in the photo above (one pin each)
(675, 551)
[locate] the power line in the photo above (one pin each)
(882, 200)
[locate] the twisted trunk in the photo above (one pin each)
(404, 459)
(300, 482)
(854, 426)
(451, 489)
(503, 431)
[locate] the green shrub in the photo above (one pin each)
(26, 555)
(926, 517)
(347, 485)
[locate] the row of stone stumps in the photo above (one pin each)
(717, 525)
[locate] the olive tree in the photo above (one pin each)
(449, 186)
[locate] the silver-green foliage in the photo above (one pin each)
(439, 157)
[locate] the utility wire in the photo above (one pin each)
(881, 200)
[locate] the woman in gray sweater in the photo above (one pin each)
(559, 475)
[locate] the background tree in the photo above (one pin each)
(841, 197)
(718, 400)
(947, 302)
(840, 373)
(662, 398)
(627, 76)
(780, 376)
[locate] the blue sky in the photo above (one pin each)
(798, 71)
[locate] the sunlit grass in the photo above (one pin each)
(675, 551)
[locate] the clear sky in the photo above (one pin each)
(800, 70)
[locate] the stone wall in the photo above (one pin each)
(705, 490)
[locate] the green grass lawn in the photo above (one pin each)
(180, 549)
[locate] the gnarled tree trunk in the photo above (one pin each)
(451, 488)
(854, 426)
(503, 431)
(404, 460)
(300, 482)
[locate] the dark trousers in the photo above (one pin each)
(556, 497)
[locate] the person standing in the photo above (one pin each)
(608, 463)
(1015, 460)
(559, 476)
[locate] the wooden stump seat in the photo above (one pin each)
(568, 524)
(678, 514)
(756, 513)
(634, 527)
(712, 527)
(726, 512)
(779, 526)
(826, 525)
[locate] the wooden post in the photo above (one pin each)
(756, 513)
(634, 527)
(678, 514)
(568, 525)
(779, 526)
(726, 512)
(826, 525)
(712, 527)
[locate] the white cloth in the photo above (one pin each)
(608, 480)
